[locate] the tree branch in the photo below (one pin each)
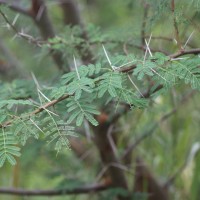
(79, 190)
(39, 14)
(107, 155)
(185, 52)
(40, 109)
(22, 35)
(172, 56)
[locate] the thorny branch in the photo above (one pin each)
(124, 70)
(40, 109)
(172, 56)
(38, 12)
(27, 37)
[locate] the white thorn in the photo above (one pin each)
(175, 41)
(76, 68)
(44, 96)
(15, 19)
(188, 39)
(35, 80)
(135, 85)
(113, 67)
(147, 44)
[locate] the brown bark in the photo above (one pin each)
(43, 22)
(108, 157)
(72, 17)
(41, 18)
(145, 182)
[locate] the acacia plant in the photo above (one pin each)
(99, 76)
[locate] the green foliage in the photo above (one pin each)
(109, 82)
(81, 109)
(57, 132)
(78, 86)
(17, 89)
(87, 84)
(23, 129)
(11, 102)
(131, 99)
(83, 71)
(189, 71)
(8, 147)
(58, 92)
(97, 81)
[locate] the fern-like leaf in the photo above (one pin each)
(8, 147)
(11, 102)
(109, 82)
(144, 69)
(130, 98)
(57, 92)
(83, 71)
(189, 71)
(78, 86)
(80, 110)
(23, 129)
(58, 132)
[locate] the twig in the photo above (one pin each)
(110, 139)
(108, 166)
(165, 39)
(176, 25)
(28, 38)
